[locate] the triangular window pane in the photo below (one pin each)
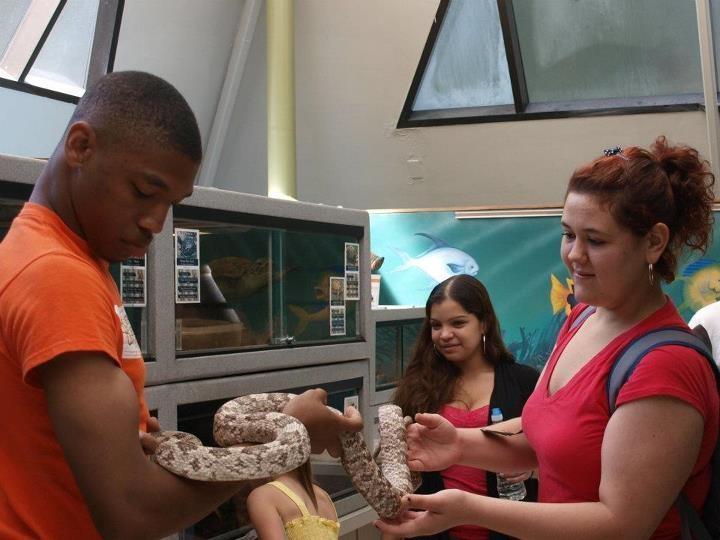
(62, 64)
(468, 66)
(715, 24)
(13, 12)
(608, 49)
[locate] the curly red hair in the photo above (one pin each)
(667, 184)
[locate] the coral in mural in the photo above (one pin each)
(534, 347)
(701, 284)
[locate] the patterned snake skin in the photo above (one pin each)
(284, 445)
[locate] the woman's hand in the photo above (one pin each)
(433, 443)
(514, 478)
(428, 514)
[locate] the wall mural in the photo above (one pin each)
(518, 260)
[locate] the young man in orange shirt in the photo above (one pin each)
(71, 379)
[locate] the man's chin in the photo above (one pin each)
(126, 251)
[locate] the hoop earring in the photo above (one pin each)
(651, 275)
(483, 340)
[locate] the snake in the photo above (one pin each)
(282, 444)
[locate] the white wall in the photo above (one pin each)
(354, 64)
(355, 61)
(186, 42)
(243, 162)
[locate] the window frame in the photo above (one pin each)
(523, 109)
(102, 53)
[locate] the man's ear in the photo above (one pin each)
(80, 144)
(657, 240)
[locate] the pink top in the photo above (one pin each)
(566, 428)
(466, 478)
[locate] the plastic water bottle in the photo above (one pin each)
(507, 490)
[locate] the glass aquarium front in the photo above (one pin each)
(230, 519)
(394, 345)
(255, 282)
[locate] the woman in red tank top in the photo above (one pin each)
(626, 219)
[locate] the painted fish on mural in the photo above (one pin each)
(701, 284)
(562, 298)
(439, 262)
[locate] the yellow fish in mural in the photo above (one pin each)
(562, 297)
(701, 284)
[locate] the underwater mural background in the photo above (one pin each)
(518, 260)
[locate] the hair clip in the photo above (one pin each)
(615, 150)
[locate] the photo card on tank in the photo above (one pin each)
(187, 266)
(337, 291)
(352, 285)
(133, 281)
(352, 257)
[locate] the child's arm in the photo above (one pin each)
(264, 515)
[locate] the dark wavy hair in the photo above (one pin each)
(667, 184)
(429, 380)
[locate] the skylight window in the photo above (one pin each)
(493, 60)
(57, 47)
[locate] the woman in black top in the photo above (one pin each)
(460, 366)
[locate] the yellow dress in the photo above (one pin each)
(307, 527)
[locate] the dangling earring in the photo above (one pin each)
(651, 275)
(483, 340)
(437, 353)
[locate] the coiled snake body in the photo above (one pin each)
(284, 445)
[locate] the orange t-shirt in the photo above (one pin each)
(55, 298)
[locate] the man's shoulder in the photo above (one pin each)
(37, 268)
(27, 247)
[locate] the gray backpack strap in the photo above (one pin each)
(628, 358)
(584, 314)
(691, 526)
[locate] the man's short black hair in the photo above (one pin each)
(141, 108)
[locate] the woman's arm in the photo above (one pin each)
(435, 444)
(264, 515)
(648, 452)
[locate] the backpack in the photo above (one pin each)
(692, 525)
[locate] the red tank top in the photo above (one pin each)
(465, 478)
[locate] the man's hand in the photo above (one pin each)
(433, 443)
(148, 442)
(322, 424)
